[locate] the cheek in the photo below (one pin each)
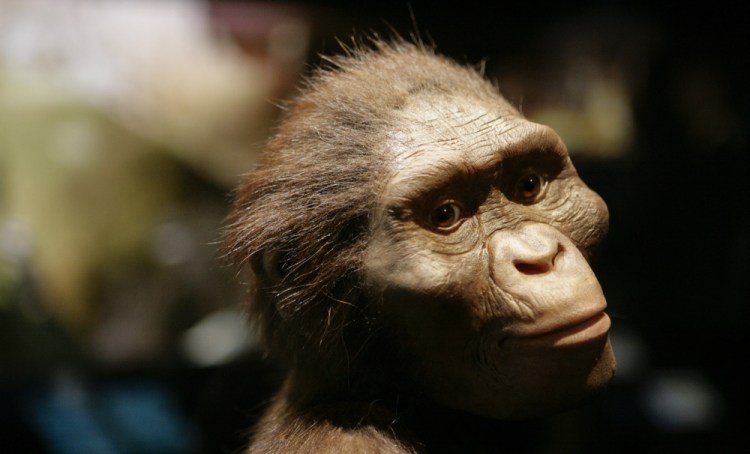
(430, 303)
(431, 343)
(413, 263)
(426, 306)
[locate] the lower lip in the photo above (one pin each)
(582, 333)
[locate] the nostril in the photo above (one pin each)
(539, 264)
(532, 268)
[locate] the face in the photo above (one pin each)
(478, 261)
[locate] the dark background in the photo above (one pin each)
(675, 266)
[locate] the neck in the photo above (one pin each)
(307, 418)
(377, 417)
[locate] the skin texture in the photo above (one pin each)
(416, 243)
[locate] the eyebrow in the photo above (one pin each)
(448, 162)
(441, 180)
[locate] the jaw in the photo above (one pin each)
(529, 380)
(489, 372)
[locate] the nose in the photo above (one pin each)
(530, 250)
(534, 254)
(535, 265)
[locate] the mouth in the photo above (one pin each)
(579, 333)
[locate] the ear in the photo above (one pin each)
(270, 267)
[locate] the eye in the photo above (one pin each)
(446, 216)
(530, 187)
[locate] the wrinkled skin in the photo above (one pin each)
(525, 332)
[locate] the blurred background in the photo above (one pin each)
(125, 125)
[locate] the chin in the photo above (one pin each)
(536, 382)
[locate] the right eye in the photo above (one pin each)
(446, 216)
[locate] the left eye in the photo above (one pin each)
(446, 216)
(530, 187)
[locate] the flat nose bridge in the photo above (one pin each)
(529, 250)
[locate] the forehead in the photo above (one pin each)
(439, 134)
